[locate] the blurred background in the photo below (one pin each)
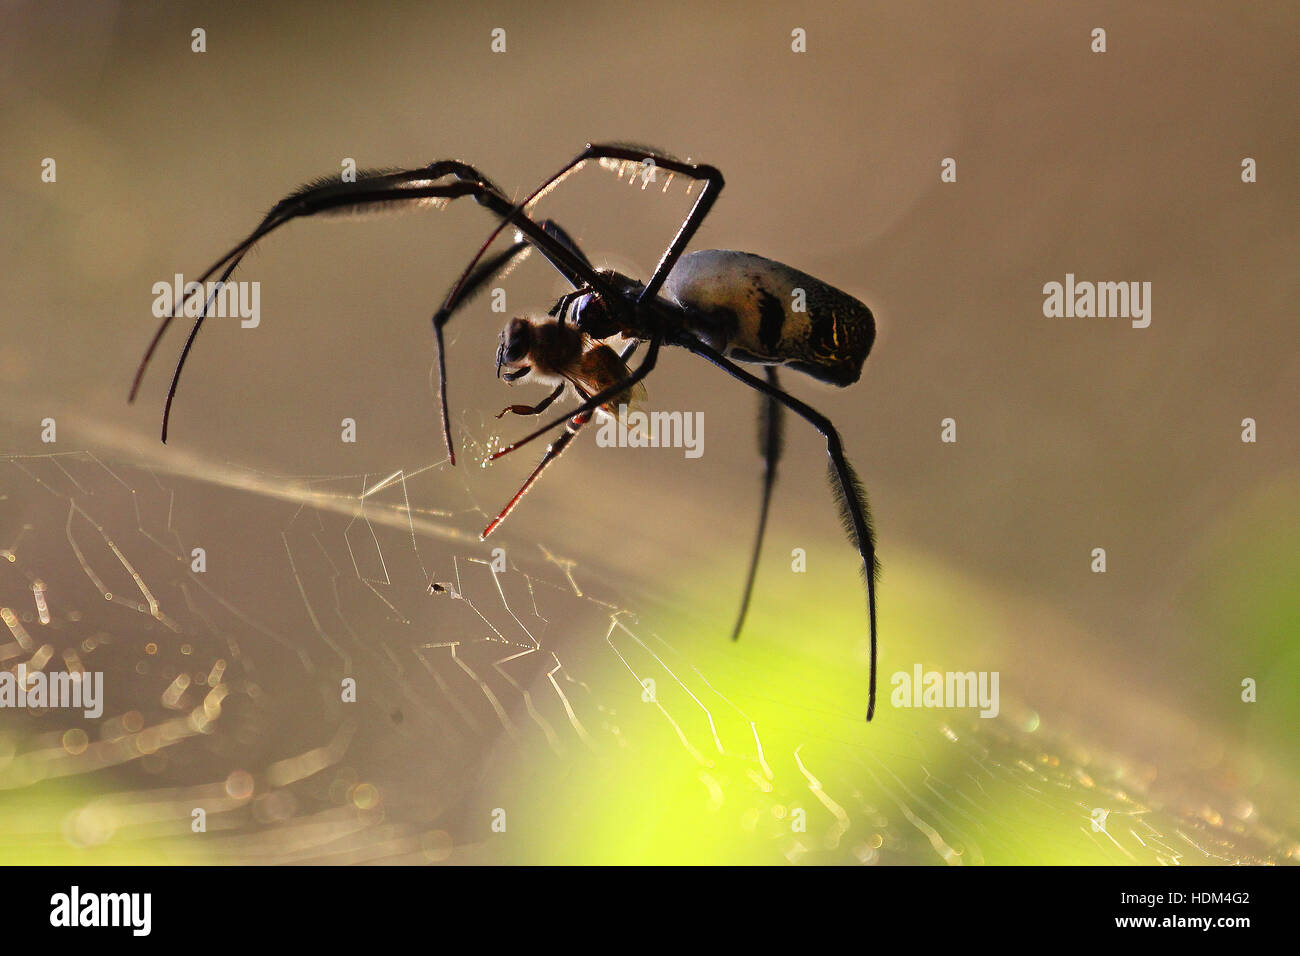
(585, 704)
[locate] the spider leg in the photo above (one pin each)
(323, 191)
(849, 492)
(553, 452)
(451, 191)
(497, 266)
(568, 242)
(709, 175)
(770, 446)
(661, 160)
(375, 190)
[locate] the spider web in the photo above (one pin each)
(576, 707)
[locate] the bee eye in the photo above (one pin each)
(516, 341)
(516, 349)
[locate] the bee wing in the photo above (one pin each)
(598, 369)
(636, 398)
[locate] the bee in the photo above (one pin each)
(730, 308)
(558, 354)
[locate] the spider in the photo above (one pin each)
(726, 307)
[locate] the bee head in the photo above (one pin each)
(515, 342)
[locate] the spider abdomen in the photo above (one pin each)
(756, 310)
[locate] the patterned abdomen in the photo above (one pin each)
(752, 311)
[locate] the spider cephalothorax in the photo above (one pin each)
(726, 307)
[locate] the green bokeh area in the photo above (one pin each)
(1245, 586)
(690, 784)
(69, 823)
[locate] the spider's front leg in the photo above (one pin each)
(623, 153)
(374, 190)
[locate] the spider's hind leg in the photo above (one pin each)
(847, 488)
(770, 446)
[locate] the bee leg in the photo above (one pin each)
(537, 409)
